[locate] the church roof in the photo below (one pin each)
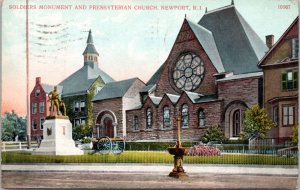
(174, 98)
(206, 39)
(198, 98)
(155, 99)
(148, 88)
(80, 81)
(239, 76)
(229, 41)
(90, 48)
(240, 48)
(114, 89)
(155, 77)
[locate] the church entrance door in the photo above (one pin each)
(108, 127)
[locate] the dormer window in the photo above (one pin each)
(295, 48)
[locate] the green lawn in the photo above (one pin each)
(148, 157)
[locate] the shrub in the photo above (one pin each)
(203, 150)
(87, 140)
(213, 134)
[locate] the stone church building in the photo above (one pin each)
(209, 79)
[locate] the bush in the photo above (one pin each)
(87, 140)
(213, 134)
(203, 150)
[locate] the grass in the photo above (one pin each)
(148, 157)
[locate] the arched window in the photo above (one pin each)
(185, 115)
(236, 123)
(135, 123)
(166, 117)
(149, 118)
(201, 117)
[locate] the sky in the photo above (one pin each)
(132, 42)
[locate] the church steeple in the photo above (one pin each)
(90, 53)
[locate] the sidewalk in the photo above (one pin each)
(153, 168)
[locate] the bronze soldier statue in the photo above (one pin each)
(54, 101)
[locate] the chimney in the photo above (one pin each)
(38, 80)
(270, 41)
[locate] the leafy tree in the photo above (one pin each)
(12, 126)
(214, 133)
(256, 123)
(81, 131)
(295, 135)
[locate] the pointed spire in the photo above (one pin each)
(205, 9)
(185, 15)
(232, 2)
(90, 38)
(90, 48)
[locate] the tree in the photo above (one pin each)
(12, 126)
(256, 123)
(295, 135)
(81, 131)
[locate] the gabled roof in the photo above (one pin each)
(278, 42)
(114, 89)
(80, 81)
(206, 39)
(155, 76)
(198, 98)
(193, 96)
(155, 99)
(240, 48)
(48, 88)
(174, 98)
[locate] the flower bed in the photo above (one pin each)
(204, 150)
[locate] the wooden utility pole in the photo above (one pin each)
(28, 129)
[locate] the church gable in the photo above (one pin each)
(188, 67)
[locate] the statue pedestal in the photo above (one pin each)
(57, 138)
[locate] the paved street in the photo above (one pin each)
(123, 180)
(153, 176)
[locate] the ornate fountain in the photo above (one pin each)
(178, 151)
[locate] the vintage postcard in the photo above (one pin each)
(150, 94)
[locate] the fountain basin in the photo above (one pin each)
(178, 151)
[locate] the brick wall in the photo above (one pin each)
(186, 43)
(213, 113)
(112, 105)
(246, 90)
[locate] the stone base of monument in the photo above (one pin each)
(57, 138)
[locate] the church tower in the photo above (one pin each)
(90, 53)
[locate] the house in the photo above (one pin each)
(209, 79)
(39, 107)
(280, 71)
(81, 86)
